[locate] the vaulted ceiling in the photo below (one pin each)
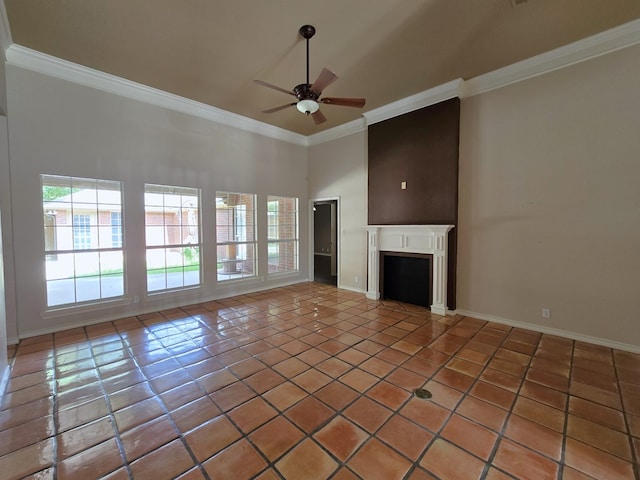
(210, 51)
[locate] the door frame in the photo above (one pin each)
(312, 202)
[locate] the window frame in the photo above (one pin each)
(277, 236)
(162, 254)
(241, 240)
(81, 267)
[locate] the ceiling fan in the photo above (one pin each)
(308, 94)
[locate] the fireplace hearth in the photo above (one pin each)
(410, 239)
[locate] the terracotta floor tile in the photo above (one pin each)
(309, 414)
(352, 356)
(148, 437)
(394, 357)
(240, 461)
(337, 395)
(367, 413)
(332, 347)
(542, 394)
(597, 413)
(540, 413)
(291, 367)
(595, 394)
(376, 367)
(493, 394)
(307, 461)
(404, 436)
(469, 436)
(501, 379)
(211, 437)
(341, 437)
(376, 461)
(449, 462)
(599, 436)
(218, 381)
(569, 473)
(483, 413)
(406, 379)
(425, 413)
(313, 356)
(359, 379)
(246, 367)
(85, 436)
(168, 461)
(556, 368)
(181, 395)
(311, 380)
(252, 414)
(595, 462)
(285, 395)
(276, 437)
(232, 396)
(93, 462)
(443, 395)
(28, 460)
(333, 367)
(534, 436)
(473, 356)
(523, 463)
(421, 367)
(465, 367)
(138, 413)
(388, 394)
(273, 356)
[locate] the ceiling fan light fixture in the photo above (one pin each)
(307, 106)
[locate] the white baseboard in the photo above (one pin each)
(352, 289)
(552, 331)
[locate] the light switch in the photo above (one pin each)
(403, 185)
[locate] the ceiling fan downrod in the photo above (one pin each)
(307, 31)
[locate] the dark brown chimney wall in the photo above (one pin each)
(421, 149)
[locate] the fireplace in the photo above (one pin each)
(406, 277)
(410, 239)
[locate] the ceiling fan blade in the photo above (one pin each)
(277, 109)
(326, 78)
(269, 85)
(318, 117)
(344, 102)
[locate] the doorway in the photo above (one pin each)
(325, 241)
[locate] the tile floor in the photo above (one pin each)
(310, 381)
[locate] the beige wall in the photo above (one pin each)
(60, 128)
(338, 169)
(549, 212)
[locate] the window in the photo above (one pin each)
(82, 263)
(172, 231)
(235, 235)
(282, 234)
(116, 229)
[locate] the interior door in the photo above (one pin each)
(325, 241)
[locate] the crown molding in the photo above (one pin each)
(617, 38)
(602, 43)
(5, 30)
(355, 126)
(414, 102)
(55, 67)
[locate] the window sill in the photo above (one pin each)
(63, 311)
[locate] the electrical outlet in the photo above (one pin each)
(136, 298)
(546, 313)
(357, 280)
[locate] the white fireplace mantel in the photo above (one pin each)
(427, 239)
